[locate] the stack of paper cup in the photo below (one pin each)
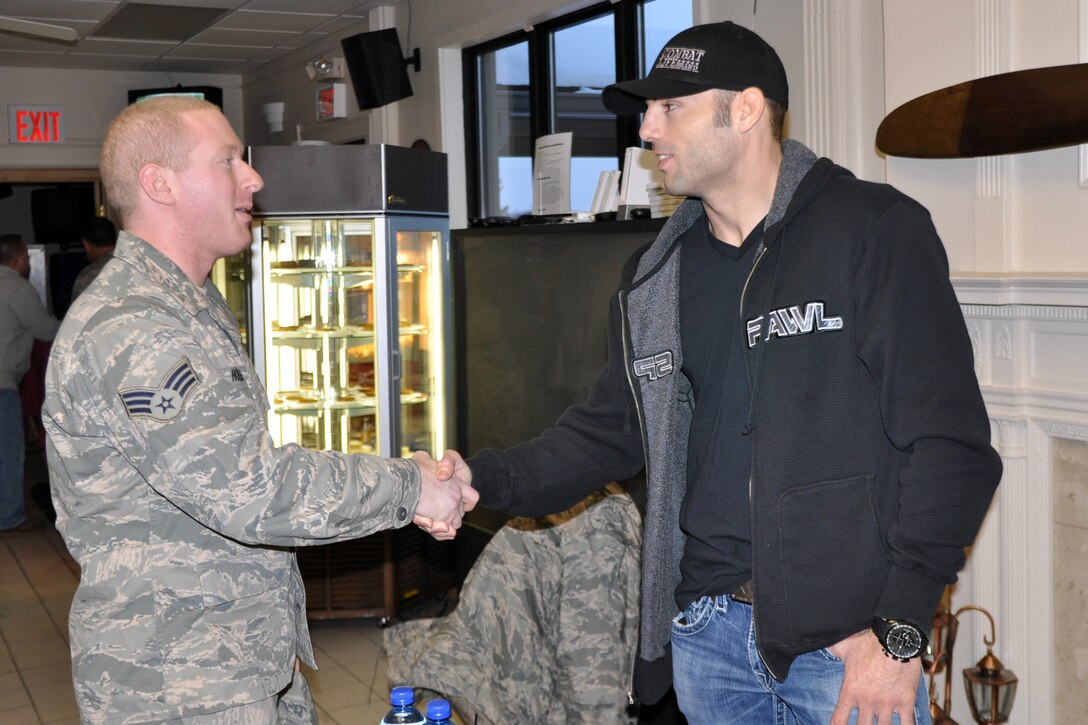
(662, 203)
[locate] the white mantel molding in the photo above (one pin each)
(1045, 289)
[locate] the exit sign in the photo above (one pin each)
(35, 124)
(331, 101)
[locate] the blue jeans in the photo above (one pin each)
(12, 459)
(720, 679)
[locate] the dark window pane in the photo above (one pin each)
(506, 148)
(584, 62)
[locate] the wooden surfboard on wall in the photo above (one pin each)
(1008, 113)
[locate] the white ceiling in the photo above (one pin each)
(251, 33)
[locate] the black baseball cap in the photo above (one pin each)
(716, 55)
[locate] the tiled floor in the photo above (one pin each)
(37, 580)
(35, 668)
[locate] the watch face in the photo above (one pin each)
(903, 640)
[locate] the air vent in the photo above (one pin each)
(139, 21)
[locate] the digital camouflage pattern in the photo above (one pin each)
(293, 706)
(177, 505)
(547, 624)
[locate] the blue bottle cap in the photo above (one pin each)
(402, 696)
(438, 710)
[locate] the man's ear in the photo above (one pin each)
(157, 183)
(749, 107)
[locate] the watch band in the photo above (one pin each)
(901, 640)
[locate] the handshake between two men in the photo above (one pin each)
(446, 494)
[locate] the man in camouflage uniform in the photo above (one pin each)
(169, 490)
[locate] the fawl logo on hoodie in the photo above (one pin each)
(791, 322)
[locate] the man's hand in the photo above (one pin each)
(446, 494)
(874, 683)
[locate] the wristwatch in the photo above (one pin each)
(901, 640)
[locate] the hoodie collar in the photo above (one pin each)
(797, 159)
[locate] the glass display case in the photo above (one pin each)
(353, 351)
(349, 330)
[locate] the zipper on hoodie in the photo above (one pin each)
(743, 298)
(751, 478)
(626, 337)
(751, 273)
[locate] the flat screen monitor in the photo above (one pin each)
(212, 94)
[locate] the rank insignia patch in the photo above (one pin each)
(165, 402)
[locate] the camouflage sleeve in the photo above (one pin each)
(188, 413)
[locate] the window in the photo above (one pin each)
(549, 80)
(583, 63)
(504, 138)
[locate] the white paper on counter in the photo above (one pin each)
(639, 170)
(551, 174)
(606, 197)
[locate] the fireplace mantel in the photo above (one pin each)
(1030, 336)
(1048, 289)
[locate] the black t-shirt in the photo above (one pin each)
(716, 514)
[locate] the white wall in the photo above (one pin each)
(285, 80)
(90, 99)
(1023, 213)
(1050, 212)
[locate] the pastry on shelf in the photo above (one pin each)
(304, 396)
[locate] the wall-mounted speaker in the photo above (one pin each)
(378, 70)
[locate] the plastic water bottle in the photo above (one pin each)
(438, 712)
(404, 711)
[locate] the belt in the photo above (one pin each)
(743, 593)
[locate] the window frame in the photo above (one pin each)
(627, 24)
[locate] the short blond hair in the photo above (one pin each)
(147, 132)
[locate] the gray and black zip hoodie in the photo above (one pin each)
(871, 459)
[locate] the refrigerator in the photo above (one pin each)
(347, 317)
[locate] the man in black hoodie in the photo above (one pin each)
(789, 361)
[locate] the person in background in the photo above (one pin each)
(169, 490)
(23, 319)
(99, 237)
(789, 361)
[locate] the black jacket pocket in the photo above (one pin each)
(833, 557)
